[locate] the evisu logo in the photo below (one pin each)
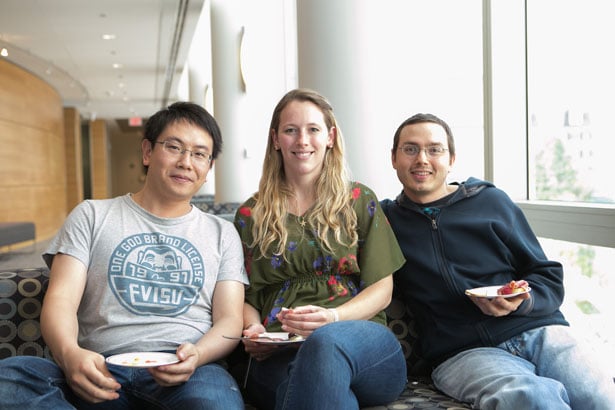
(156, 274)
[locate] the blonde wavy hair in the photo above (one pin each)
(332, 211)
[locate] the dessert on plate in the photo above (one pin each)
(514, 286)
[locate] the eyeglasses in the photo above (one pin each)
(177, 150)
(433, 151)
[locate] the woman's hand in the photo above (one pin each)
(259, 351)
(303, 320)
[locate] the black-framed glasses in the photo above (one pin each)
(433, 151)
(177, 150)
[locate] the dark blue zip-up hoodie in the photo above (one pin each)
(479, 237)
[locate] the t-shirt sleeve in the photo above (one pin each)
(379, 252)
(232, 261)
(74, 237)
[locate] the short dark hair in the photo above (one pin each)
(419, 118)
(184, 111)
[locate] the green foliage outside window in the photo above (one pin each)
(556, 178)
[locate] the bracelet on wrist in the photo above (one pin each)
(336, 316)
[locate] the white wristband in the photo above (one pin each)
(336, 316)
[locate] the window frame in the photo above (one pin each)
(587, 223)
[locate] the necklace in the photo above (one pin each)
(299, 231)
(297, 212)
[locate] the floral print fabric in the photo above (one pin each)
(309, 275)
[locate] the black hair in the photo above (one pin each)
(184, 111)
(419, 118)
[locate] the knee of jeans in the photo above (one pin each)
(351, 329)
(9, 367)
(30, 373)
(219, 398)
(22, 364)
(524, 392)
(336, 337)
(317, 341)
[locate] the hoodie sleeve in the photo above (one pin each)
(544, 276)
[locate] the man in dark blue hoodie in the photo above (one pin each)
(494, 352)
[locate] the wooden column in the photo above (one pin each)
(74, 161)
(99, 154)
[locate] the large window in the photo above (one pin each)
(549, 101)
(590, 286)
(570, 89)
(571, 84)
(551, 86)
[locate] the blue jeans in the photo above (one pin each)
(28, 382)
(342, 365)
(542, 368)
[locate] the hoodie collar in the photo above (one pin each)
(472, 186)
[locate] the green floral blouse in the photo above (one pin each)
(312, 276)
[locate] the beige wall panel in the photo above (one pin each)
(127, 174)
(26, 99)
(30, 156)
(43, 202)
(32, 159)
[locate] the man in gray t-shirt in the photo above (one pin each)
(142, 273)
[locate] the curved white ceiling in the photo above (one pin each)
(62, 42)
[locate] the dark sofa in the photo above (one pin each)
(21, 297)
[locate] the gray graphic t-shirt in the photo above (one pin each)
(150, 280)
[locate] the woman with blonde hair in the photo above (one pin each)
(320, 256)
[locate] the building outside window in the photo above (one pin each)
(570, 96)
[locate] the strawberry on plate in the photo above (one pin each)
(512, 287)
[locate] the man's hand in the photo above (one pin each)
(177, 373)
(499, 306)
(87, 375)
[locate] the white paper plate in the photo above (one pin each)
(492, 292)
(142, 359)
(272, 338)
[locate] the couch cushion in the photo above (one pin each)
(402, 323)
(21, 296)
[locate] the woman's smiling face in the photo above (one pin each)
(302, 138)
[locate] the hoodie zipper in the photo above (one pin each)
(432, 213)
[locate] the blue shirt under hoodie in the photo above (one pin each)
(474, 237)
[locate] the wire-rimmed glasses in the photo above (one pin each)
(432, 151)
(177, 149)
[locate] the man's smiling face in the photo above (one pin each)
(423, 176)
